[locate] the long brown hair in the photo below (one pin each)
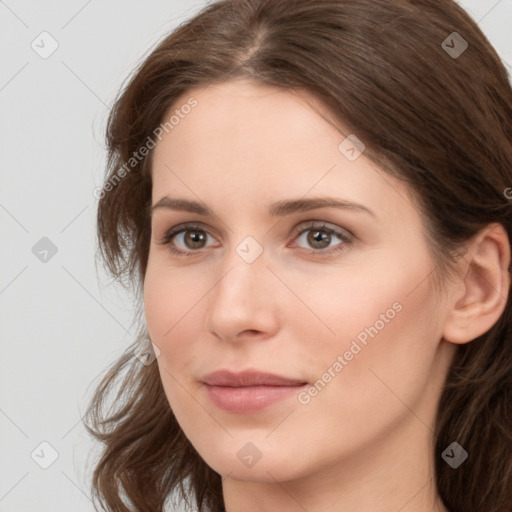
(438, 120)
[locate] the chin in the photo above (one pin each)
(242, 460)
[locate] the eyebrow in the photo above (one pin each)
(277, 209)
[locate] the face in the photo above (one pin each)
(336, 298)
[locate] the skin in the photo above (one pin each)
(364, 442)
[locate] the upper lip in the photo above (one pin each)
(248, 378)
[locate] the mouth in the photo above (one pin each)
(249, 391)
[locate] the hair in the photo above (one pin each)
(441, 124)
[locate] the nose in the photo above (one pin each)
(244, 303)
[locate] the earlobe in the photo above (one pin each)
(481, 293)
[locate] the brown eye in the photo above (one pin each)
(319, 239)
(187, 239)
(194, 239)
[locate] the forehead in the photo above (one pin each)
(248, 115)
(248, 141)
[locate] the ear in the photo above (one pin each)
(481, 291)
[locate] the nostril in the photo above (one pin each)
(249, 332)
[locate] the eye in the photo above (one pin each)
(319, 237)
(189, 239)
(186, 239)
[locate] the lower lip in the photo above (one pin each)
(251, 398)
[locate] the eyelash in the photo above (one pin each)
(346, 238)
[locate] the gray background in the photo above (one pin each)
(61, 324)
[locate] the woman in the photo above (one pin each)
(309, 199)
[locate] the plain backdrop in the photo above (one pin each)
(61, 324)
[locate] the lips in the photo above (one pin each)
(248, 391)
(249, 378)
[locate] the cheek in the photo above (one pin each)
(365, 302)
(157, 304)
(172, 305)
(168, 297)
(387, 332)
